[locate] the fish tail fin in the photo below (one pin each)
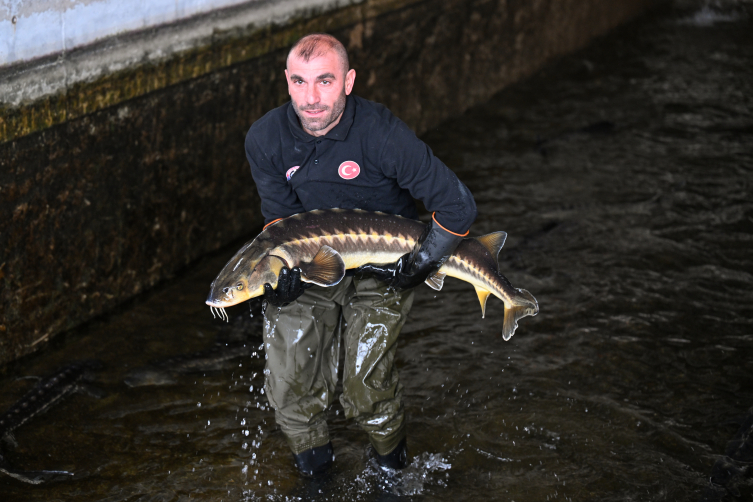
(524, 305)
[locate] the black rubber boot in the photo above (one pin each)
(397, 458)
(316, 461)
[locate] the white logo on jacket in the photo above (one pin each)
(291, 172)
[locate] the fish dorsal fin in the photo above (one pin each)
(493, 242)
(483, 295)
(325, 269)
(436, 281)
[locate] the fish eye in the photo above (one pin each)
(239, 286)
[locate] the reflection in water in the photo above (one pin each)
(622, 175)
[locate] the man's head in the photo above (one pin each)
(319, 78)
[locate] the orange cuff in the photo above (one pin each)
(278, 219)
(443, 228)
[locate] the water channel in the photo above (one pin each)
(623, 176)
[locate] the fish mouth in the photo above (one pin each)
(218, 303)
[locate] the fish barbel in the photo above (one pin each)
(326, 242)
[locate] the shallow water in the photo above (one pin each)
(622, 175)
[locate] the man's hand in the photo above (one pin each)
(395, 274)
(289, 287)
(432, 249)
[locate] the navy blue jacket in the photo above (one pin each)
(370, 160)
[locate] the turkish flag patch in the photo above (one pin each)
(348, 170)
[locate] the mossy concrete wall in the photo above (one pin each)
(121, 182)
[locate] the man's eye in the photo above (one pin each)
(325, 82)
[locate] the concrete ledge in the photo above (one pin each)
(38, 94)
(122, 181)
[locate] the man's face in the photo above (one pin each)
(318, 89)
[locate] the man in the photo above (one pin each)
(326, 149)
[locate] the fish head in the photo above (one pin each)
(244, 276)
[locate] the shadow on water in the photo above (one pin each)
(622, 175)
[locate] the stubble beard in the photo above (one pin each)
(319, 123)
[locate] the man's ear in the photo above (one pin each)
(287, 79)
(350, 79)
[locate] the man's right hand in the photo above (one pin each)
(289, 287)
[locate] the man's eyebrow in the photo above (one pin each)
(323, 76)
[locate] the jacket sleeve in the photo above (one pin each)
(278, 200)
(411, 162)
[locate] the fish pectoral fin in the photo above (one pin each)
(493, 242)
(436, 281)
(525, 305)
(327, 268)
(483, 295)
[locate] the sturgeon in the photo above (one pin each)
(324, 243)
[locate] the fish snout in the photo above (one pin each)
(220, 298)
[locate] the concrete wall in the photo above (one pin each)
(116, 182)
(34, 28)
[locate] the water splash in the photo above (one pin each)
(426, 471)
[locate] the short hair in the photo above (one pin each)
(315, 45)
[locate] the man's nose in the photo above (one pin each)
(312, 94)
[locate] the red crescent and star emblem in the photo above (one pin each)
(348, 170)
(291, 172)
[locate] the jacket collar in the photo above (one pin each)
(337, 133)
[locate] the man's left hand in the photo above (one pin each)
(289, 287)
